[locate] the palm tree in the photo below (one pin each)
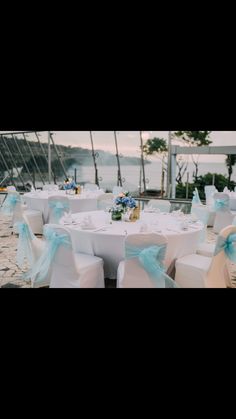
(230, 162)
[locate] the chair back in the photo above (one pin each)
(216, 274)
(222, 202)
(57, 257)
(144, 262)
(63, 264)
(203, 215)
(223, 217)
(12, 206)
(58, 206)
(24, 245)
(210, 190)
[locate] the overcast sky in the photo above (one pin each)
(129, 141)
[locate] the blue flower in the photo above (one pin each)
(70, 185)
(126, 201)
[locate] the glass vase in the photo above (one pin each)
(116, 216)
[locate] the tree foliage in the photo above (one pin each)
(194, 138)
(197, 139)
(155, 145)
(230, 162)
(221, 182)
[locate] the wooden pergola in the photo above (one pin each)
(207, 150)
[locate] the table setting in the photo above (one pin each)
(96, 233)
(85, 201)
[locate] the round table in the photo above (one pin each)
(107, 240)
(87, 201)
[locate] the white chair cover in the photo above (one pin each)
(58, 206)
(210, 190)
(196, 271)
(223, 217)
(131, 274)
(33, 218)
(161, 204)
(29, 246)
(202, 213)
(71, 270)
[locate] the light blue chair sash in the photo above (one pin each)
(58, 209)
(221, 204)
(10, 203)
(41, 268)
(203, 216)
(24, 246)
(227, 245)
(151, 259)
(196, 199)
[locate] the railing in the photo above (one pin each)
(176, 204)
(25, 160)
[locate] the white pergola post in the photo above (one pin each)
(49, 157)
(168, 178)
(173, 176)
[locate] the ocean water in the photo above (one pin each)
(131, 174)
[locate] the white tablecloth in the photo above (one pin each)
(109, 243)
(78, 203)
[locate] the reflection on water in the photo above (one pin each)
(131, 174)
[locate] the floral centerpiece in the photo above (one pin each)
(123, 203)
(69, 184)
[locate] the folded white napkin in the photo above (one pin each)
(176, 213)
(87, 223)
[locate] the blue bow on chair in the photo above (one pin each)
(54, 240)
(151, 259)
(58, 209)
(221, 204)
(10, 203)
(227, 245)
(196, 198)
(24, 248)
